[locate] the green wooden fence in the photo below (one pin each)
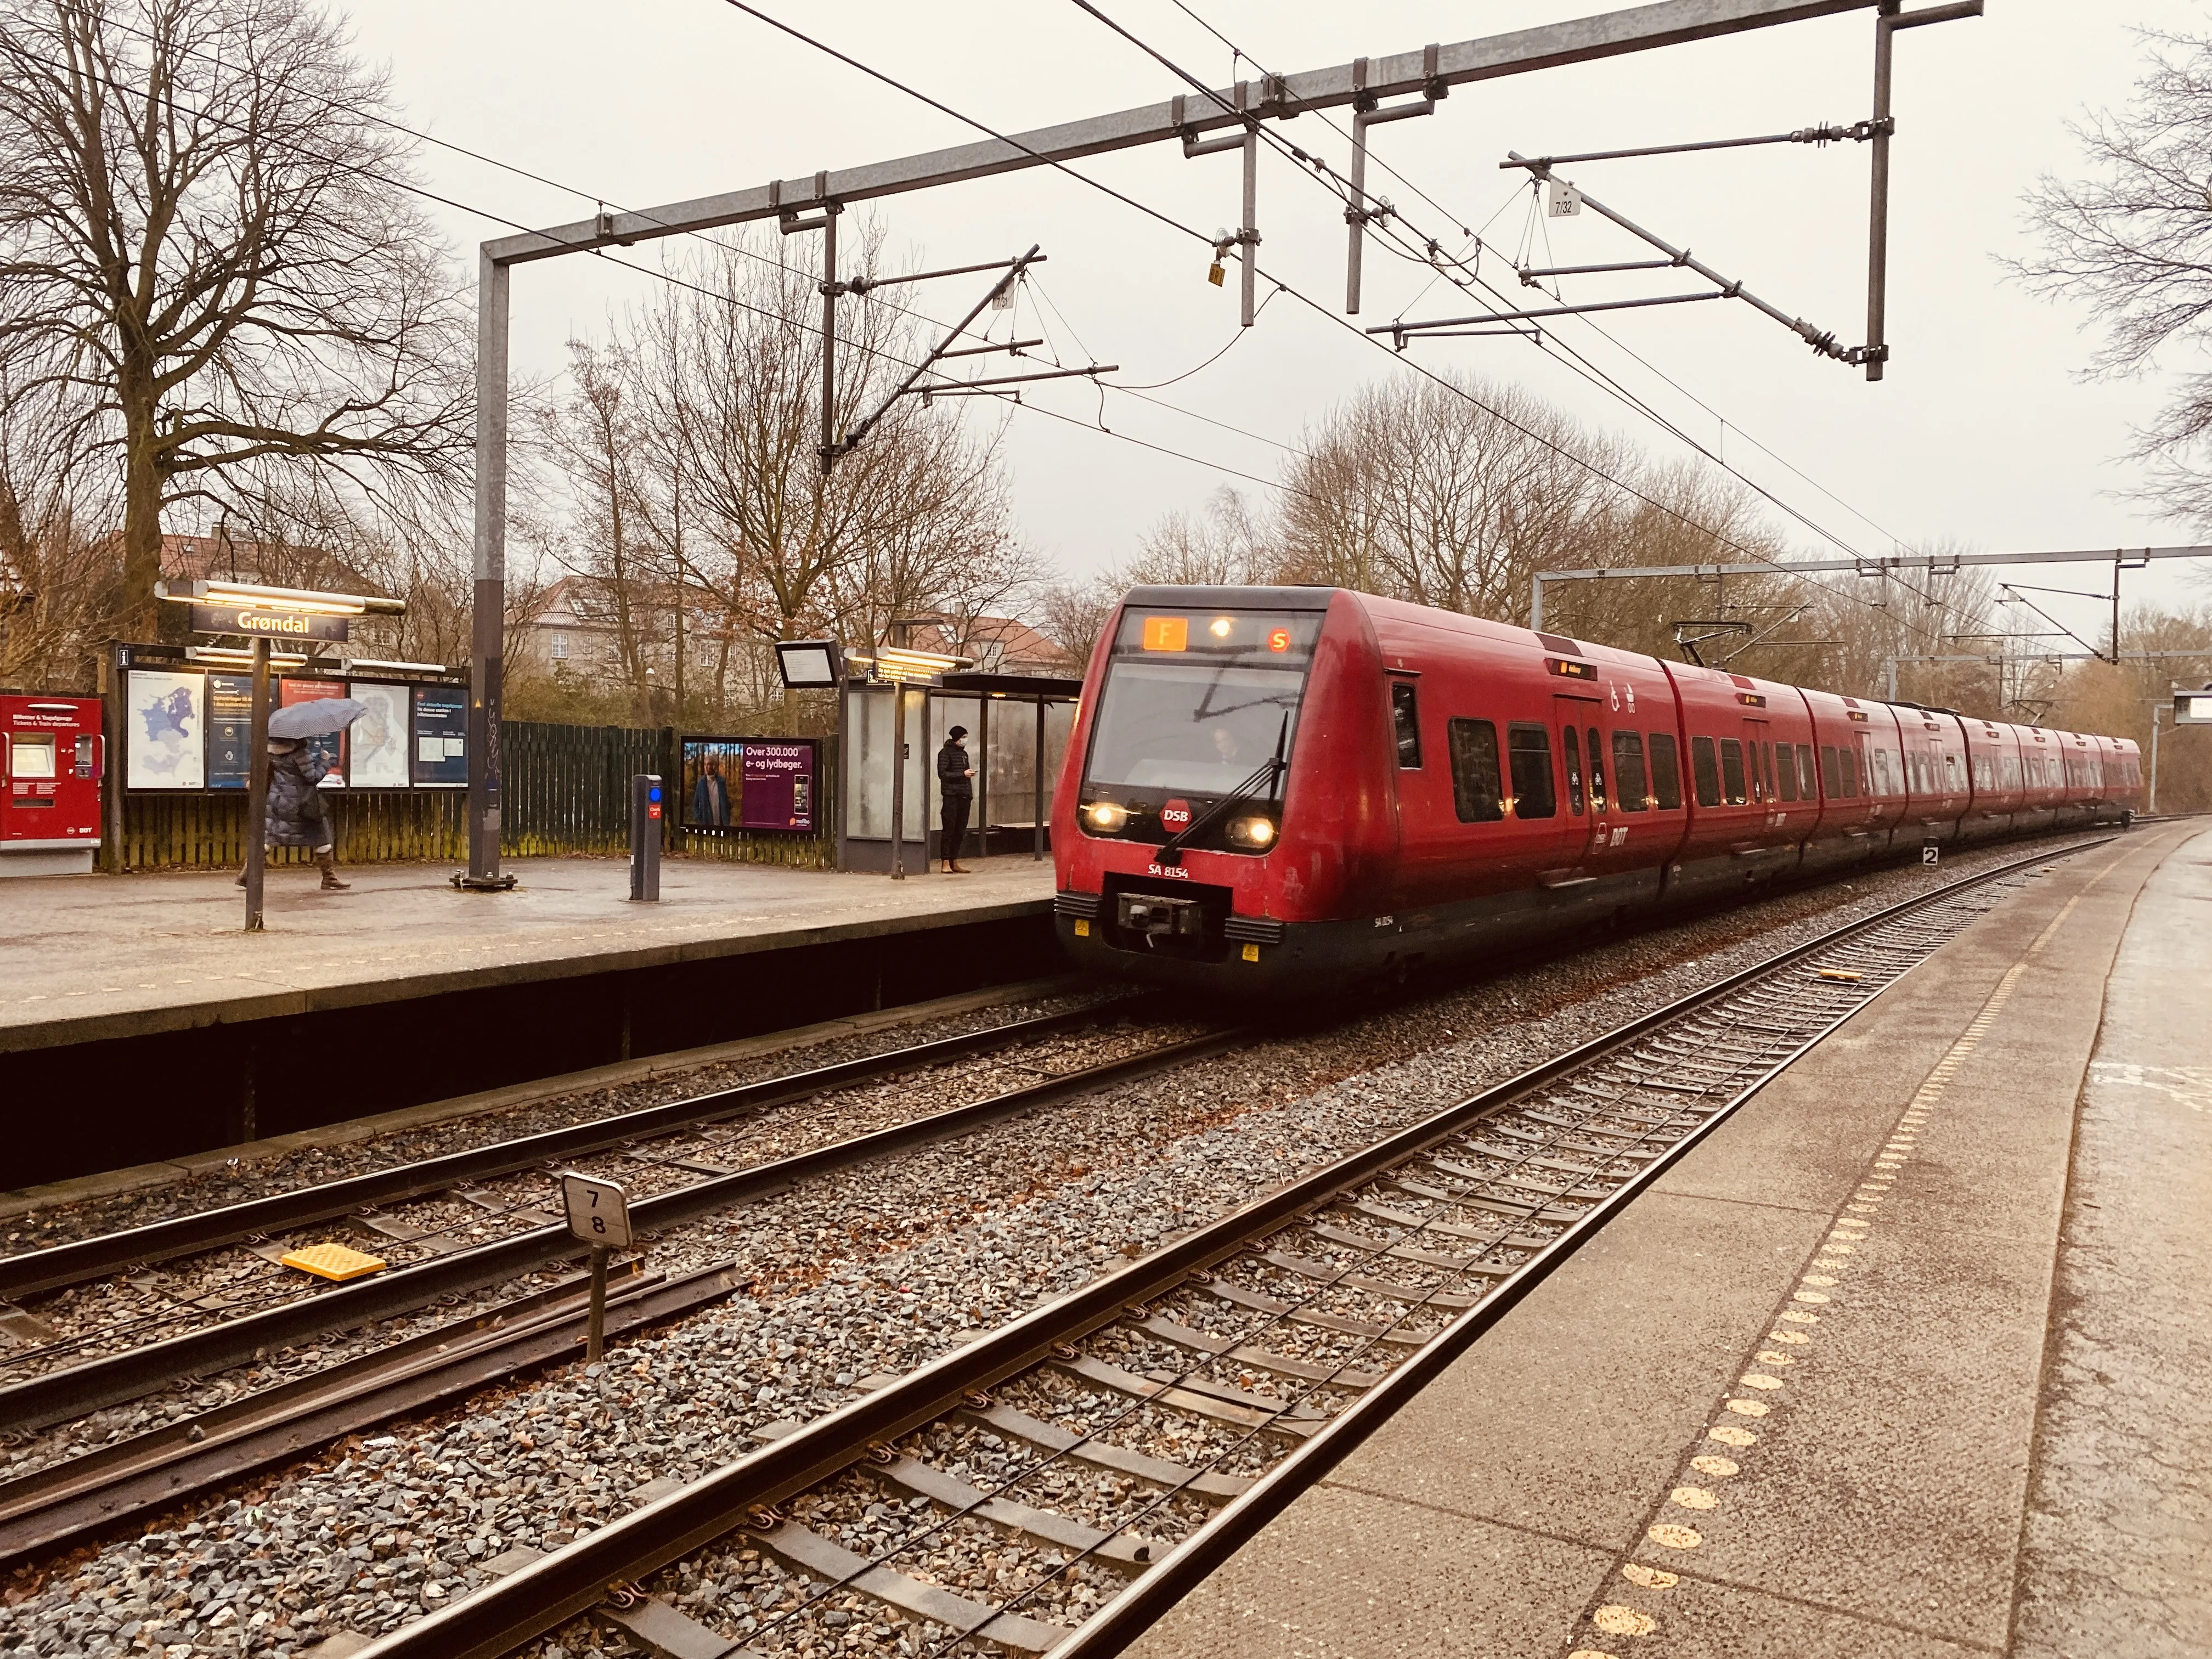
(565, 791)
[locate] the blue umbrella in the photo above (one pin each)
(318, 719)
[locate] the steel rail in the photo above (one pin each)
(61, 1394)
(545, 1594)
(63, 1265)
(66, 1501)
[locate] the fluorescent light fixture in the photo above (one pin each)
(231, 657)
(356, 663)
(906, 664)
(217, 591)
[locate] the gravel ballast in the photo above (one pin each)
(871, 1271)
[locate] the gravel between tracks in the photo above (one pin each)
(877, 1270)
(39, 1230)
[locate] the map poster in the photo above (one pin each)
(230, 729)
(713, 774)
(166, 731)
(442, 737)
(779, 792)
(378, 741)
(329, 750)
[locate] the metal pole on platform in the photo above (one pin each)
(898, 781)
(488, 596)
(1037, 771)
(2150, 807)
(256, 788)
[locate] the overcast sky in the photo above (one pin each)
(1982, 433)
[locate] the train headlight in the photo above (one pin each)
(1252, 832)
(1105, 817)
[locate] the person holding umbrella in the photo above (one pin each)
(296, 815)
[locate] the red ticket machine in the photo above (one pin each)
(51, 759)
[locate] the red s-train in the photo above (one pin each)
(1284, 790)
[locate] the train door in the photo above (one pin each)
(1586, 807)
(1759, 785)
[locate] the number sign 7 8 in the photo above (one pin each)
(598, 1211)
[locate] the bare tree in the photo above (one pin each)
(59, 572)
(207, 255)
(687, 474)
(2134, 241)
(590, 437)
(1441, 494)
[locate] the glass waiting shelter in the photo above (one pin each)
(1017, 730)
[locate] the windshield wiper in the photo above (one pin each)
(1268, 777)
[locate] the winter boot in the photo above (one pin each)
(328, 862)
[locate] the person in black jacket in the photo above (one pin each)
(956, 787)
(295, 814)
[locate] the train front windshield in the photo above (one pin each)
(1195, 702)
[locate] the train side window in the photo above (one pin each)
(1732, 771)
(1666, 773)
(1767, 757)
(1787, 777)
(1572, 747)
(1630, 788)
(1406, 723)
(1832, 770)
(1809, 787)
(1529, 751)
(1851, 773)
(1598, 770)
(1705, 771)
(1473, 745)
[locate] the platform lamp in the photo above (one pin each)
(261, 613)
(900, 666)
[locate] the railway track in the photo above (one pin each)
(265, 1308)
(1057, 1484)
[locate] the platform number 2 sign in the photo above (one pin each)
(598, 1211)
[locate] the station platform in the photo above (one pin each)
(1997, 1438)
(141, 997)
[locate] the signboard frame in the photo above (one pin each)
(214, 718)
(587, 1199)
(701, 756)
(252, 622)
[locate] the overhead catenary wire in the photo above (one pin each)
(661, 274)
(1339, 187)
(1332, 181)
(1667, 508)
(1581, 364)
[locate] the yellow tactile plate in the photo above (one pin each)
(334, 1261)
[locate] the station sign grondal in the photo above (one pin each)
(252, 620)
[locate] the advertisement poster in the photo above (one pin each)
(166, 731)
(748, 783)
(713, 774)
(331, 749)
(378, 741)
(230, 729)
(779, 793)
(442, 737)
